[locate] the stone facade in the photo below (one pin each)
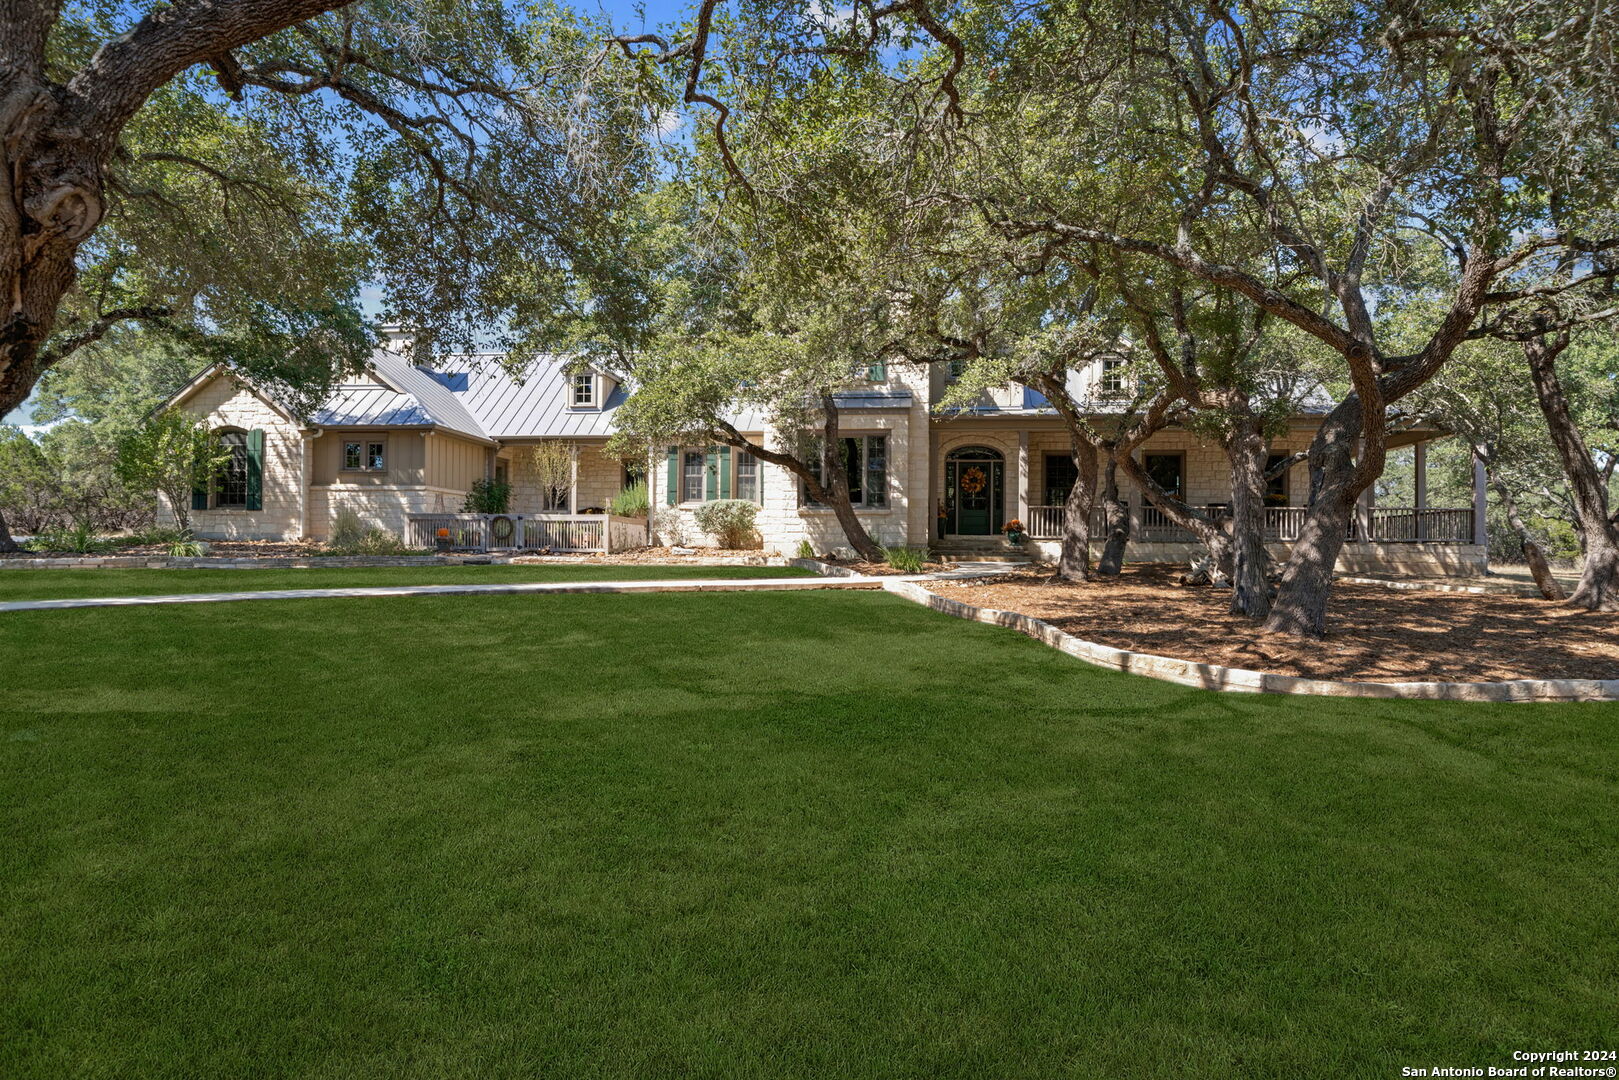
(228, 403)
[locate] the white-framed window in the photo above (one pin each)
(582, 392)
(747, 475)
(1114, 381)
(865, 457)
(702, 473)
(365, 455)
(693, 474)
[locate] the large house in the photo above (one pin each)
(402, 445)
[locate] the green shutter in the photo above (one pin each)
(711, 474)
(878, 371)
(672, 492)
(199, 497)
(255, 469)
(726, 454)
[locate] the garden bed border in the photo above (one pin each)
(317, 562)
(1242, 681)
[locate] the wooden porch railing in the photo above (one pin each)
(604, 533)
(1282, 523)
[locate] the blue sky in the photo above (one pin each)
(628, 15)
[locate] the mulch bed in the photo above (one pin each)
(882, 569)
(1375, 634)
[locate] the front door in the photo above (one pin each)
(975, 492)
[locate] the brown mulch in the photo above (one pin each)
(1375, 634)
(882, 569)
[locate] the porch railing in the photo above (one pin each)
(1282, 523)
(604, 533)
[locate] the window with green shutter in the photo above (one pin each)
(255, 469)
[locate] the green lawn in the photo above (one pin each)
(59, 584)
(807, 835)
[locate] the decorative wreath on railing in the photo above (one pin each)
(501, 528)
(973, 480)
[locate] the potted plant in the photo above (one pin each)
(1015, 534)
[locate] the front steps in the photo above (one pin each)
(987, 550)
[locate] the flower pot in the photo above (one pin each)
(1016, 539)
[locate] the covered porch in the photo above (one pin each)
(993, 476)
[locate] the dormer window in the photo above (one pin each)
(583, 392)
(1115, 381)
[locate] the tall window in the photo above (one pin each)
(1113, 383)
(747, 476)
(230, 483)
(865, 457)
(1167, 471)
(1276, 486)
(584, 391)
(1060, 478)
(693, 471)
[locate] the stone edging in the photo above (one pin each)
(1238, 680)
(825, 569)
(1502, 588)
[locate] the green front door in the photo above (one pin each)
(976, 497)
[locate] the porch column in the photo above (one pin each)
(1480, 534)
(573, 482)
(1363, 505)
(1023, 477)
(1421, 478)
(306, 470)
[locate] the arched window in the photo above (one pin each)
(230, 482)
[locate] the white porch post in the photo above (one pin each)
(1023, 477)
(1421, 477)
(306, 470)
(573, 482)
(1363, 505)
(1480, 534)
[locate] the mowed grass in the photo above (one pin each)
(61, 584)
(754, 835)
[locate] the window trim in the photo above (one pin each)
(805, 502)
(215, 499)
(578, 382)
(1179, 454)
(1285, 480)
(365, 443)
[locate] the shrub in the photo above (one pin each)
(806, 550)
(159, 535)
(729, 521)
(347, 529)
(184, 547)
(632, 501)
(79, 538)
(487, 497)
(907, 560)
(669, 527)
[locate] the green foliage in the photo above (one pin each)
(172, 453)
(806, 550)
(632, 501)
(729, 521)
(488, 496)
(907, 560)
(184, 547)
(351, 536)
(80, 538)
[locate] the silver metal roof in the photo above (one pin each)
(533, 403)
(370, 406)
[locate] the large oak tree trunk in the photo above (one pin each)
(1539, 568)
(1598, 587)
(1115, 520)
(1250, 562)
(1075, 561)
(7, 543)
(1300, 606)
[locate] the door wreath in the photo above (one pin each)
(973, 480)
